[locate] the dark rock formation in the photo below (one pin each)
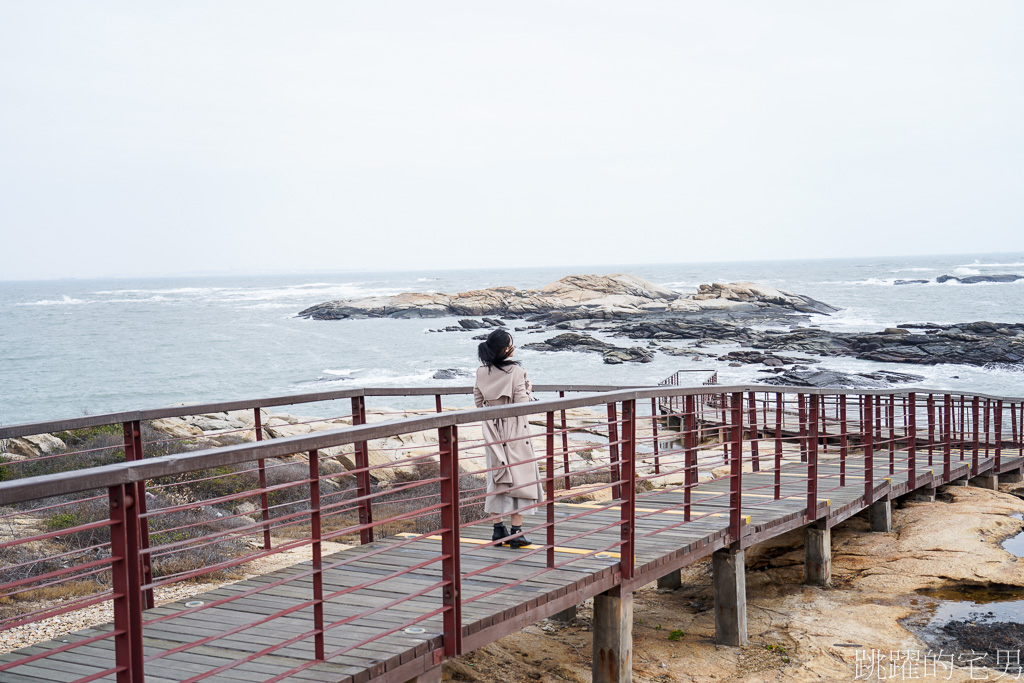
(451, 373)
(574, 341)
(977, 279)
(976, 343)
(842, 380)
(911, 282)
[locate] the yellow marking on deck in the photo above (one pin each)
(746, 518)
(558, 549)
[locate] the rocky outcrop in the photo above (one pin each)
(603, 297)
(976, 343)
(832, 379)
(978, 279)
(611, 354)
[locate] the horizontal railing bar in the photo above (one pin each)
(30, 428)
(31, 488)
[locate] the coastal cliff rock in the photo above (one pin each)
(573, 297)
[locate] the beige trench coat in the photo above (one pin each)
(516, 481)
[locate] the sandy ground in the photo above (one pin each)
(797, 632)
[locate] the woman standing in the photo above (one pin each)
(512, 474)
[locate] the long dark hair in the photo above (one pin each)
(494, 351)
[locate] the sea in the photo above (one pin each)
(75, 347)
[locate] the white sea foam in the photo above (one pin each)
(345, 372)
(964, 270)
(913, 270)
(976, 264)
(65, 301)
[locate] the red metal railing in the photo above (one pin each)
(620, 472)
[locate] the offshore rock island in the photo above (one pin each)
(573, 297)
(764, 321)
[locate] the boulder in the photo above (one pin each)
(32, 446)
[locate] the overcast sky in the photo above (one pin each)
(172, 137)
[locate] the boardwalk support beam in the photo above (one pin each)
(671, 581)
(1014, 477)
(817, 555)
(880, 515)
(729, 577)
(429, 676)
(924, 495)
(613, 637)
(566, 616)
(985, 481)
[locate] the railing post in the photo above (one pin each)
(451, 571)
(780, 407)
(132, 452)
(931, 428)
(565, 447)
(998, 426)
(812, 461)
(316, 538)
(891, 413)
(613, 450)
(947, 436)
(736, 469)
(549, 486)
(975, 437)
(690, 455)
(627, 514)
(801, 420)
(867, 423)
(261, 465)
(752, 410)
(362, 458)
(912, 440)
(654, 435)
(844, 439)
(988, 421)
(437, 403)
(127, 583)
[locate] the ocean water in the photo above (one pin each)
(75, 347)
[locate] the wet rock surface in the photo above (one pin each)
(842, 380)
(978, 279)
(575, 341)
(979, 343)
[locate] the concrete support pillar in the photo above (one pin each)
(613, 638)
(566, 616)
(729, 576)
(925, 495)
(671, 581)
(428, 676)
(986, 481)
(880, 515)
(817, 556)
(1015, 477)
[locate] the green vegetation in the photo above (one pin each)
(676, 635)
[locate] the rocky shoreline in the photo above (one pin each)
(765, 322)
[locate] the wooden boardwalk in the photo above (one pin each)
(383, 646)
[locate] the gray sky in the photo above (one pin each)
(169, 137)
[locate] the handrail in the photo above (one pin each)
(29, 488)
(29, 428)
